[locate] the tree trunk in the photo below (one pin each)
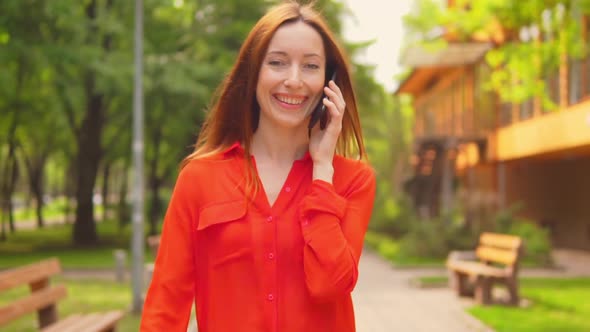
(36, 185)
(2, 227)
(123, 213)
(10, 175)
(37, 189)
(10, 190)
(39, 208)
(35, 166)
(89, 155)
(11, 169)
(156, 206)
(89, 142)
(154, 183)
(70, 191)
(106, 171)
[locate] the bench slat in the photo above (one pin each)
(79, 324)
(59, 325)
(490, 254)
(105, 322)
(500, 240)
(95, 322)
(476, 268)
(29, 273)
(35, 301)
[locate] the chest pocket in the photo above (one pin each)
(225, 232)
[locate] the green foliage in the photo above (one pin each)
(390, 249)
(432, 239)
(385, 245)
(555, 305)
(538, 33)
(436, 237)
(536, 240)
(57, 60)
(537, 245)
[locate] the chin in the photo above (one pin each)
(292, 123)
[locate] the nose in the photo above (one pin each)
(293, 79)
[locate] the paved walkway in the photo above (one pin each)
(386, 302)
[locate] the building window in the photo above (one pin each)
(485, 101)
(505, 114)
(575, 81)
(585, 63)
(526, 109)
(552, 87)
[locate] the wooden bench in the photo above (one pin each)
(43, 299)
(497, 259)
(153, 243)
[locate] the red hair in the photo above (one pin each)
(229, 121)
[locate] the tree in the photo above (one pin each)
(533, 37)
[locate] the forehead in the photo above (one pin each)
(297, 38)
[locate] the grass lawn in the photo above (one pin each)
(83, 296)
(556, 305)
(26, 246)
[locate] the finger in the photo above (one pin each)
(336, 99)
(335, 87)
(335, 118)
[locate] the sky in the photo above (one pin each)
(380, 20)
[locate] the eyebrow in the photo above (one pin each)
(285, 54)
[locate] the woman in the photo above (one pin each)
(266, 223)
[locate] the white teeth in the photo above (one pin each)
(290, 100)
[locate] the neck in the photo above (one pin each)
(279, 145)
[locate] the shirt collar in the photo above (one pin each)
(237, 147)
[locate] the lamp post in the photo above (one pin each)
(137, 245)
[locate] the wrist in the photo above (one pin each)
(323, 171)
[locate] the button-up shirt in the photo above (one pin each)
(253, 267)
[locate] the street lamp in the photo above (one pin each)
(137, 244)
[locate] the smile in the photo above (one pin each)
(290, 100)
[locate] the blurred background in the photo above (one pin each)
(476, 116)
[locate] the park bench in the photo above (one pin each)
(497, 258)
(43, 299)
(154, 243)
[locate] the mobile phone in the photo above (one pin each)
(319, 113)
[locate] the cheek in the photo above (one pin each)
(317, 86)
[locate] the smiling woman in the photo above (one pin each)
(291, 79)
(266, 223)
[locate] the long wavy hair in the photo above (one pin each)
(235, 112)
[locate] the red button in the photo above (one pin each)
(271, 256)
(269, 219)
(288, 189)
(305, 222)
(270, 297)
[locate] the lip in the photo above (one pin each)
(290, 106)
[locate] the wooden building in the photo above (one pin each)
(467, 140)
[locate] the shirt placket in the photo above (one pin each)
(270, 270)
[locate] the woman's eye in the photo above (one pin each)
(312, 66)
(275, 62)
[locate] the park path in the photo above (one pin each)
(386, 301)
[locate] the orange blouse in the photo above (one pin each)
(252, 267)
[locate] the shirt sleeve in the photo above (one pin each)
(172, 290)
(334, 228)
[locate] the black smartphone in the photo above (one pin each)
(319, 113)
